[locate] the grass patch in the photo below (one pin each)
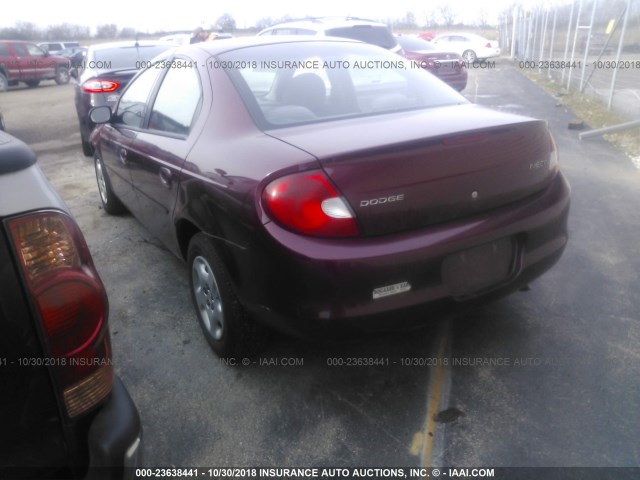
(594, 113)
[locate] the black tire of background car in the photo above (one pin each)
(242, 337)
(469, 56)
(4, 83)
(62, 75)
(32, 83)
(110, 202)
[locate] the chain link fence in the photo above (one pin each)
(589, 46)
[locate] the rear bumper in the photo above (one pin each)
(308, 285)
(115, 438)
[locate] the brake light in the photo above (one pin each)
(71, 304)
(308, 203)
(100, 86)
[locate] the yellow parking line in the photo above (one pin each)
(424, 441)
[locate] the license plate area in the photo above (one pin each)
(472, 271)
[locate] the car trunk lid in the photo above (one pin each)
(418, 168)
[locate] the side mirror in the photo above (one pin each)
(101, 114)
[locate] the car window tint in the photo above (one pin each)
(127, 57)
(20, 49)
(177, 101)
(130, 110)
(414, 44)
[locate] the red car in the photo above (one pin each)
(447, 66)
(317, 185)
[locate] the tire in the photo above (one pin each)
(4, 83)
(3, 127)
(228, 329)
(87, 148)
(469, 56)
(62, 75)
(110, 203)
(32, 83)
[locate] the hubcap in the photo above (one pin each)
(207, 297)
(102, 184)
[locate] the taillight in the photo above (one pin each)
(100, 86)
(488, 45)
(308, 203)
(71, 304)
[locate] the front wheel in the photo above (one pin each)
(110, 202)
(228, 329)
(62, 75)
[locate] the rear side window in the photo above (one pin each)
(380, 36)
(177, 102)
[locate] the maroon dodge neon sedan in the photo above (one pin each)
(318, 184)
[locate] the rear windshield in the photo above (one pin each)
(301, 82)
(376, 35)
(127, 57)
(415, 44)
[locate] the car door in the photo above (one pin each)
(159, 151)
(117, 137)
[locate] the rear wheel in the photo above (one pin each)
(469, 56)
(230, 331)
(62, 75)
(110, 202)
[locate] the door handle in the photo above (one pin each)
(165, 176)
(123, 156)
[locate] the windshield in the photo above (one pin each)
(300, 82)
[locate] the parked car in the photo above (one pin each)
(177, 38)
(62, 409)
(447, 66)
(54, 48)
(347, 27)
(108, 67)
(76, 56)
(28, 63)
(470, 46)
(316, 185)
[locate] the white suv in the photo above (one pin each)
(346, 27)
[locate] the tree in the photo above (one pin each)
(226, 23)
(108, 30)
(407, 23)
(447, 14)
(128, 32)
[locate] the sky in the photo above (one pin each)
(150, 16)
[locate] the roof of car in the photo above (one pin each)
(326, 22)
(226, 45)
(129, 43)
